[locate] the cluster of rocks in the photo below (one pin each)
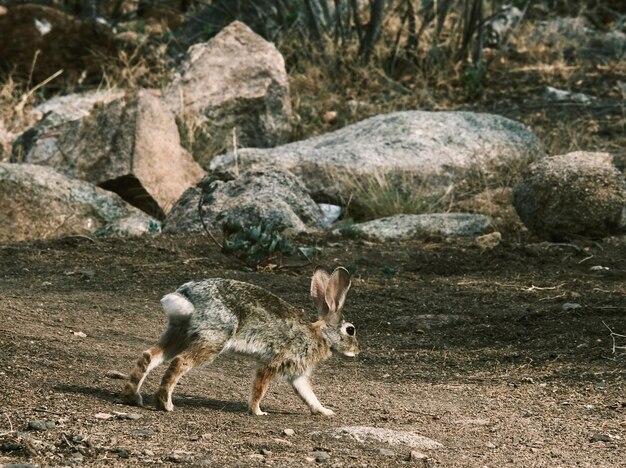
(116, 164)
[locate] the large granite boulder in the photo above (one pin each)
(254, 196)
(406, 227)
(572, 195)
(435, 149)
(236, 80)
(130, 146)
(36, 202)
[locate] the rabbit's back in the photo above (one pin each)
(234, 306)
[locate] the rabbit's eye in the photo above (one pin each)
(350, 330)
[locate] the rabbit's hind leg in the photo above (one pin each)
(196, 353)
(260, 385)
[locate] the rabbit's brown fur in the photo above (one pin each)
(218, 315)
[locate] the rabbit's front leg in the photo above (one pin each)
(302, 386)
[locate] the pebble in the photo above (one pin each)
(571, 306)
(417, 455)
(321, 457)
(37, 426)
(265, 452)
(289, 432)
(385, 452)
(600, 438)
(490, 445)
(113, 374)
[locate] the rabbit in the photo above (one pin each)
(218, 315)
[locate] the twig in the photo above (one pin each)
(235, 151)
(539, 288)
(204, 226)
(11, 430)
(20, 106)
(585, 259)
(566, 244)
(613, 335)
(43, 410)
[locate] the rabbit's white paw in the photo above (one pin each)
(325, 412)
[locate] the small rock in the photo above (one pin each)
(600, 438)
(489, 241)
(37, 426)
(175, 458)
(256, 457)
(321, 457)
(329, 117)
(416, 455)
(601, 384)
(148, 453)
(113, 374)
(288, 432)
(385, 452)
(598, 268)
(141, 432)
(528, 380)
(79, 334)
(490, 445)
(122, 454)
(265, 452)
(570, 306)
(104, 416)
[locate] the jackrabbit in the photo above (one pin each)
(209, 317)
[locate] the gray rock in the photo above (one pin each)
(579, 36)
(403, 227)
(78, 105)
(37, 426)
(385, 452)
(416, 455)
(366, 434)
(254, 196)
(321, 456)
(570, 195)
(36, 202)
(130, 146)
(436, 149)
(237, 79)
(489, 241)
(500, 25)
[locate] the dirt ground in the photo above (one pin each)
(474, 349)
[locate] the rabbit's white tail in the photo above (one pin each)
(177, 305)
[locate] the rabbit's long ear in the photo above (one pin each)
(319, 283)
(336, 291)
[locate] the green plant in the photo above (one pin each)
(255, 244)
(473, 77)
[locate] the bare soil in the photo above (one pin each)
(471, 348)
